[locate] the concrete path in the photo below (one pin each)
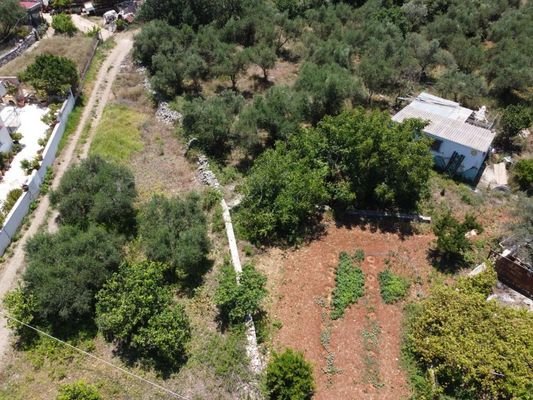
(13, 267)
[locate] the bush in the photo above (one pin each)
(52, 75)
(66, 270)
(174, 231)
(470, 345)
(78, 391)
(349, 285)
(62, 23)
(135, 309)
(523, 175)
(289, 377)
(236, 301)
(393, 287)
(96, 191)
(10, 200)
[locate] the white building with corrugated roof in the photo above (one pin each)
(461, 137)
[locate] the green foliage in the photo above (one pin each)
(53, 75)
(289, 377)
(62, 23)
(65, 271)
(470, 345)
(514, 118)
(165, 336)
(78, 391)
(210, 121)
(392, 287)
(11, 198)
(282, 194)
(96, 191)
(20, 305)
(11, 12)
(523, 174)
(451, 240)
(135, 309)
(130, 298)
(349, 285)
(264, 56)
(238, 300)
(326, 88)
(174, 231)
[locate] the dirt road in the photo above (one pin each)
(13, 267)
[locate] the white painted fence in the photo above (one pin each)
(20, 209)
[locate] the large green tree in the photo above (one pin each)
(135, 310)
(65, 271)
(11, 14)
(52, 75)
(474, 348)
(174, 231)
(96, 191)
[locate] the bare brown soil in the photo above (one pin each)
(363, 348)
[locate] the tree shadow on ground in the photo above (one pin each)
(403, 229)
(132, 358)
(195, 278)
(448, 264)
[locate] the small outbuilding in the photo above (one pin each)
(462, 137)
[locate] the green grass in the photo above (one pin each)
(393, 287)
(349, 285)
(118, 135)
(72, 123)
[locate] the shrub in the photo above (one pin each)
(96, 191)
(135, 309)
(523, 175)
(236, 301)
(174, 231)
(289, 377)
(78, 391)
(62, 23)
(10, 200)
(393, 287)
(53, 75)
(470, 345)
(349, 285)
(65, 271)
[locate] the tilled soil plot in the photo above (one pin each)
(357, 356)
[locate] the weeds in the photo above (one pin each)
(349, 284)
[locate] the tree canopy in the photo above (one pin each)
(475, 348)
(65, 271)
(289, 377)
(11, 13)
(174, 231)
(53, 75)
(99, 192)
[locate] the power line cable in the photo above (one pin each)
(179, 396)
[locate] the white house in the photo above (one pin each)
(461, 137)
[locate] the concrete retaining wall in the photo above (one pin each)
(19, 48)
(20, 209)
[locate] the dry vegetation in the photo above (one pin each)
(78, 48)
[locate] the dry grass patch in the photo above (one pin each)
(77, 48)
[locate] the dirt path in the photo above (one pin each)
(14, 266)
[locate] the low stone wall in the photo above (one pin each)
(19, 48)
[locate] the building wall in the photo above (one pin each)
(471, 164)
(5, 138)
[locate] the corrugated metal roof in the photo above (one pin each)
(447, 124)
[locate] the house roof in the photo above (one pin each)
(30, 5)
(447, 120)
